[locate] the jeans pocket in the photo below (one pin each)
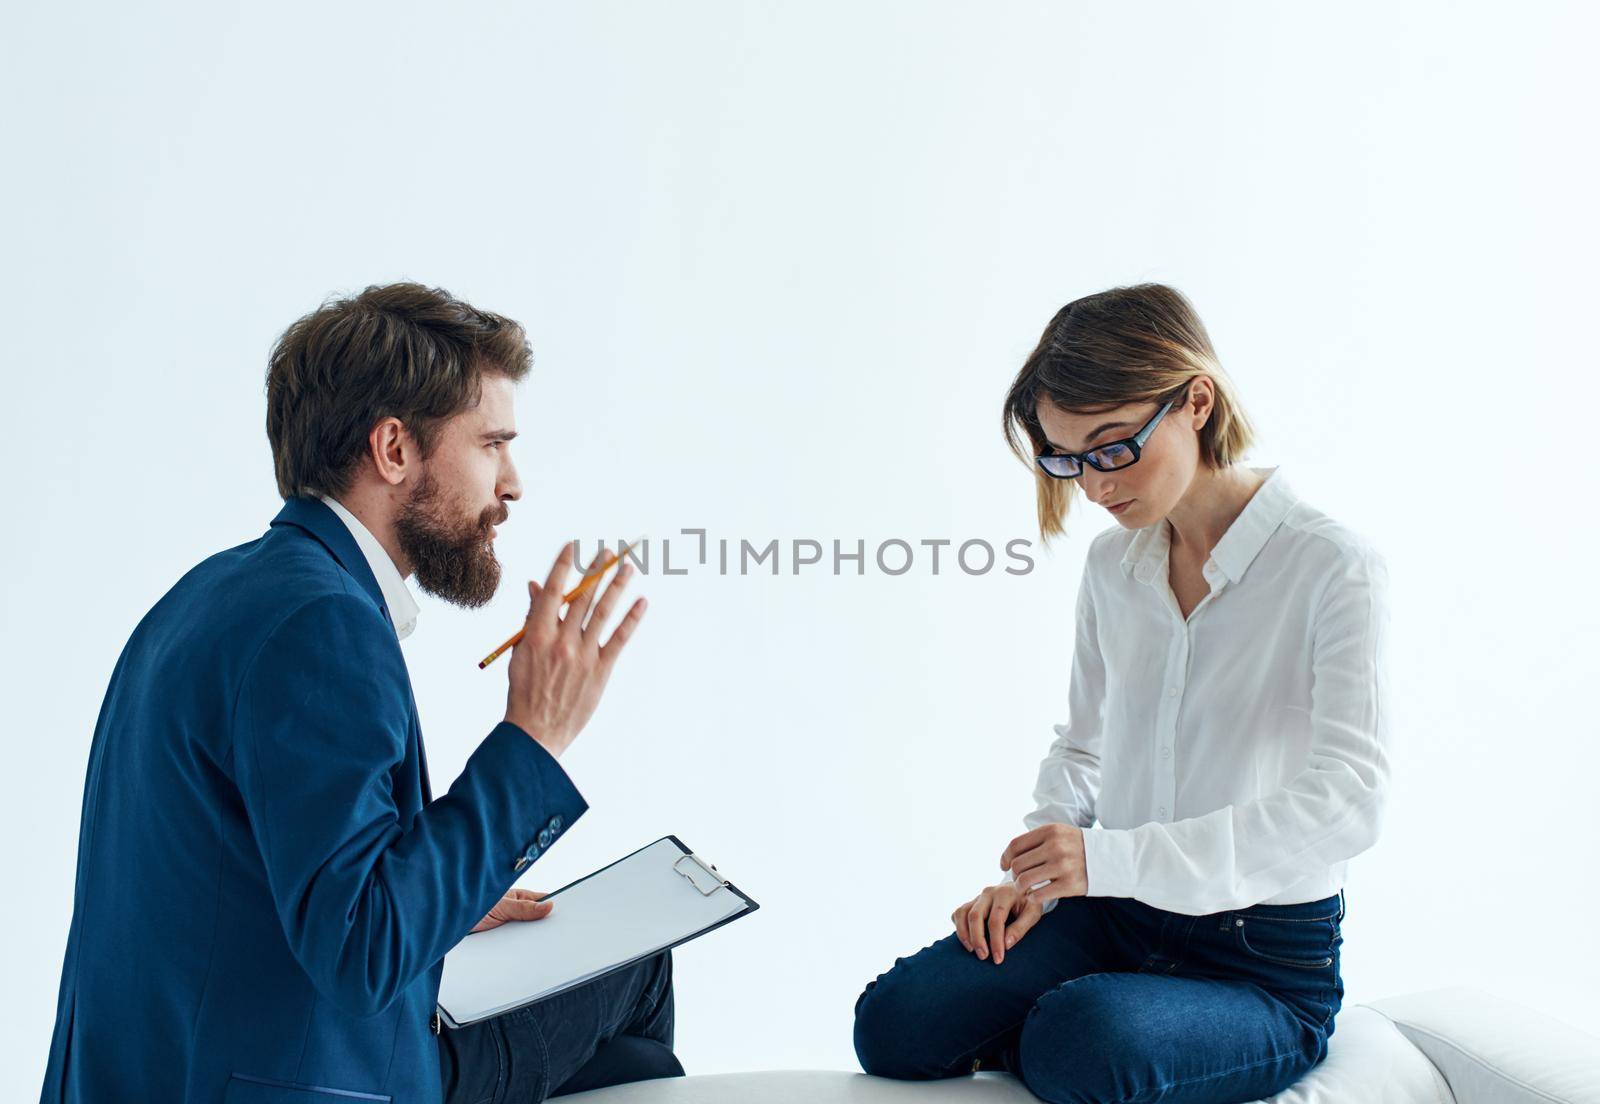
(1299, 944)
(524, 1056)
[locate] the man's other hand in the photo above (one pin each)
(519, 904)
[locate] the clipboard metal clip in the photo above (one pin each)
(717, 880)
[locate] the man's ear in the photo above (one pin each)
(393, 451)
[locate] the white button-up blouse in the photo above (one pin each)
(1239, 755)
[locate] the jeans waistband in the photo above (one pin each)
(1329, 908)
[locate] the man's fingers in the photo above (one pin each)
(579, 609)
(608, 600)
(546, 607)
(534, 590)
(619, 636)
(521, 908)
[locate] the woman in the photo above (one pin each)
(1168, 927)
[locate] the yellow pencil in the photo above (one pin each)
(590, 577)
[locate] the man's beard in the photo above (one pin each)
(453, 559)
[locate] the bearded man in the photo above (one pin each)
(266, 885)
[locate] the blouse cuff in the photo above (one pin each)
(1108, 861)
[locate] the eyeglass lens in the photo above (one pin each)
(1112, 456)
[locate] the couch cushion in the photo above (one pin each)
(1493, 1051)
(808, 1087)
(1368, 1062)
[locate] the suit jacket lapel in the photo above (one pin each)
(314, 516)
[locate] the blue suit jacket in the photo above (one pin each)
(265, 886)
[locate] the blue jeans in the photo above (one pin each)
(1108, 999)
(614, 1029)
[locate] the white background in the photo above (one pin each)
(779, 263)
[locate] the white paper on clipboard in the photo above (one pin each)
(658, 897)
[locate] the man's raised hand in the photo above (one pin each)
(560, 667)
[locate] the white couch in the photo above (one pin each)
(1445, 1046)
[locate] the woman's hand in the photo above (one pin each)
(995, 918)
(519, 904)
(1053, 853)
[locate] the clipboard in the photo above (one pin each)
(649, 901)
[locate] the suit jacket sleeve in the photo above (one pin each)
(369, 904)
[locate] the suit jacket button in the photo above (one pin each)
(544, 838)
(521, 864)
(555, 824)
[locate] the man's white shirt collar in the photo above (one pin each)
(403, 608)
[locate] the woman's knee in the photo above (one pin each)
(884, 1027)
(892, 1017)
(1073, 1042)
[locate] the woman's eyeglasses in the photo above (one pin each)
(1117, 454)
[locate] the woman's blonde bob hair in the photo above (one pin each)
(1143, 343)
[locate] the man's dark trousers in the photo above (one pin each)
(614, 1029)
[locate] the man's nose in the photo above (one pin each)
(510, 485)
